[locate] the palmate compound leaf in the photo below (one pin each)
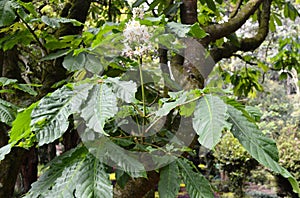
(76, 172)
(49, 120)
(196, 183)
(169, 182)
(209, 120)
(262, 148)
(101, 105)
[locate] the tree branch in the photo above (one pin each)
(218, 31)
(246, 44)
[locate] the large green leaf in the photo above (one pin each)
(7, 13)
(108, 152)
(93, 180)
(76, 171)
(196, 184)
(169, 182)
(101, 105)
(73, 63)
(86, 177)
(8, 112)
(124, 90)
(209, 120)
(263, 149)
(49, 120)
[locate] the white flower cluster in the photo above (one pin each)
(137, 37)
(138, 13)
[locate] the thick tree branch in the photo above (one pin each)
(218, 31)
(246, 44)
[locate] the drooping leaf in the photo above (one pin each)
(110, 153)
(73, 63)
(8, 112)
(93, 180)
(85, 177)
(49, 120)
(124, 90)
(263, 149)
(101, 105)
(196, 183)
(169, 182)
(7, 13)
(209, 120)
(54, 170)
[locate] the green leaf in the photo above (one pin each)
(168, 106)
(86, 177)
(197, 32)
(52, 22)
(196, 184)
(56, 55)
(209, 120)
(54, 171)
(81, 92)
(93, 64)
(100, 106)
(50, 117)
(26, 88)
(21, 125)
(7, 13)
(108, 152)
(8, 112)
(124, 90)
(7, 81)
(211, 5)
(73, 63)
(179, 29)
(263, 149)
(4, 151)
(169, 182)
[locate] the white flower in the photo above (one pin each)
(137, 37)
(138, 13)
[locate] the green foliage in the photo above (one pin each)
(289, 151)
(8, 112)
(75, 171)
(209, 120)
(196, 184)
(49, 120)
(259, 146)
(169, 182)
(235, 161)
(7, 12)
